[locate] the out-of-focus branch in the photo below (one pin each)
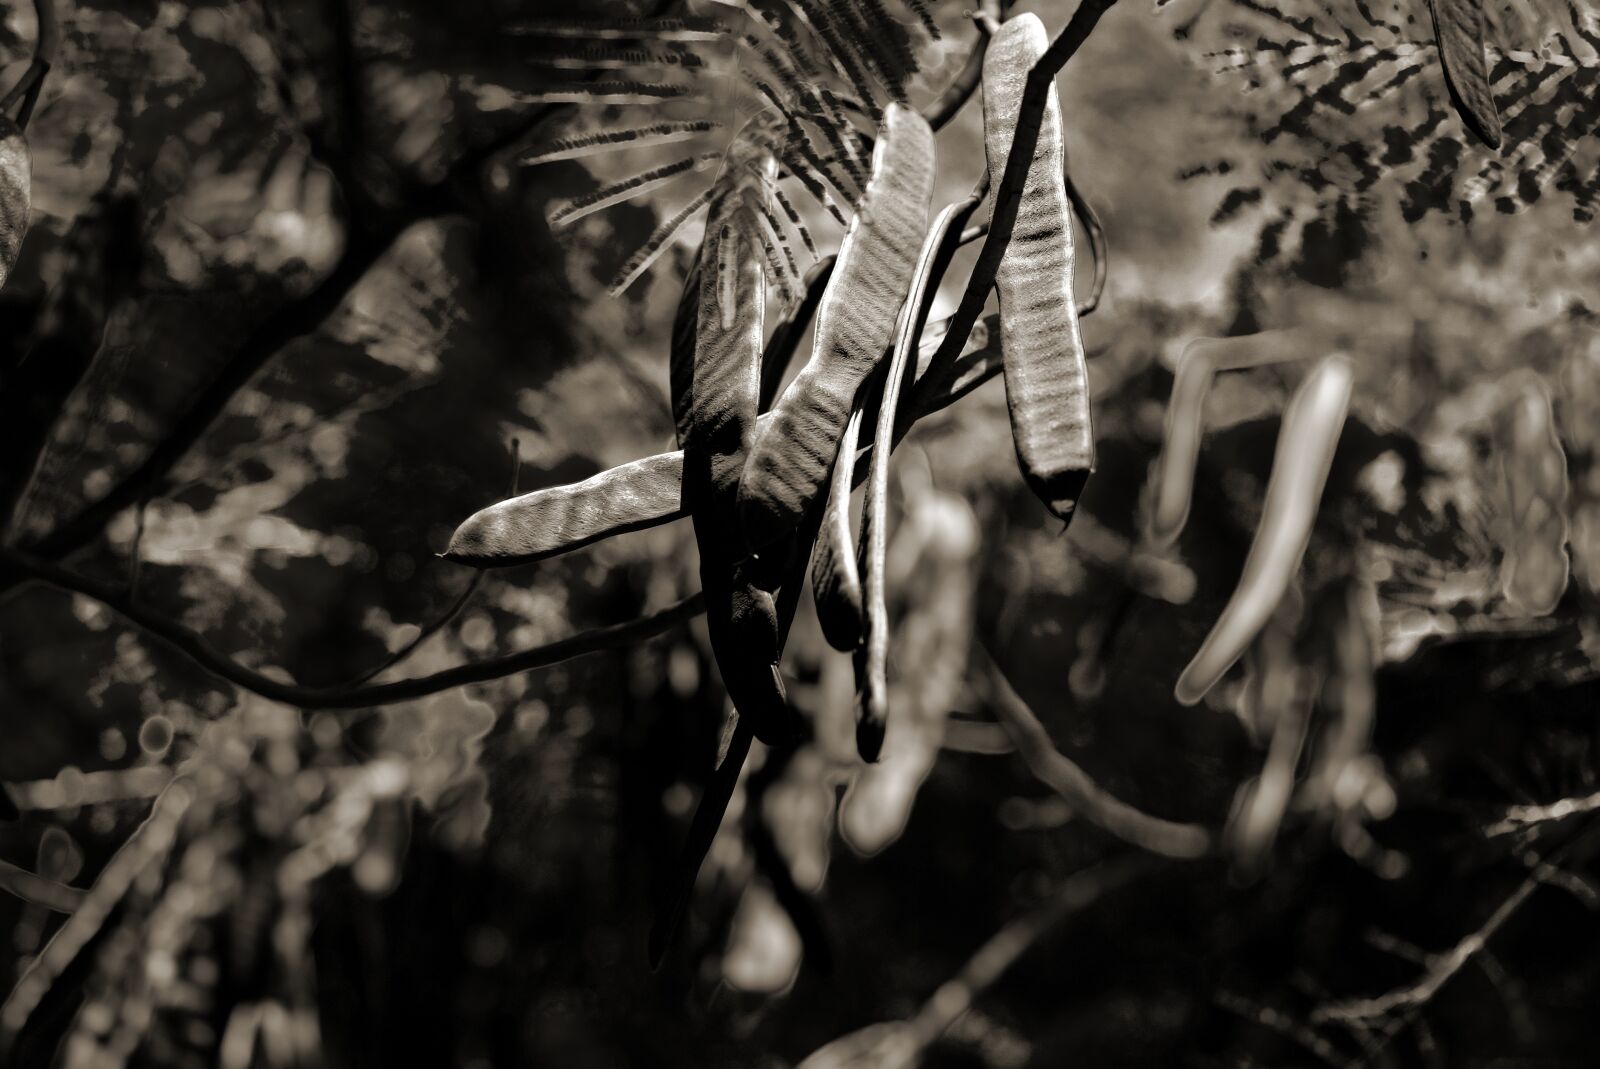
(36, 889)
(1523, 817)
(1087, 798)
(900, 1044)
(193, 645)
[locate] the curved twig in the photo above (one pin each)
(1097, 243)
(193, 645)
(1087, 798)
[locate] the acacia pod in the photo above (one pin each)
(872, 706)
(1306, 442)
(835, 580)
(648, 492)
(1047, 379)
(793, 454)
(1458, 25)
(16, 194)
(1172, 475)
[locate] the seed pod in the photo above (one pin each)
(16, 194)
(835, 581)
(1172, 475)
(793, 454)
(648, 492)
(872, 668)
(1306, 443)
(1047, 380)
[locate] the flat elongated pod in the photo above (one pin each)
(557, 519)
(16, 194)
(1300, 466)
(1172, 476)
(793, 454)
(1458, 24)
(1047, 380)
(835, 580)
(872, 705)
(716, 414)
(648, 492)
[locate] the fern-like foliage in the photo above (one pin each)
(806, 78)
(1347, 100)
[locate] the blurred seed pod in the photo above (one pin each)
(16, 175)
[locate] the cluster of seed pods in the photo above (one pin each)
(771, 492)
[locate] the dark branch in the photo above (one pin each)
(192, 644)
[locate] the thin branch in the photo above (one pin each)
(93, 788)
(1522, 817)
(193, 645)
(1088, 798)
(46, 42)
(29, 887)
(1008, 197)
(902, 1043)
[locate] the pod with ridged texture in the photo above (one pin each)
(794, 453)
(16, 193)
(1047, 380)
(648, 492)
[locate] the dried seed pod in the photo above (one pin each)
(648, 492)
(16, 193)
(1306, 443)
(835, 580)
(1172, 475)
(1047, 380)
(793, 454)
(872, 708)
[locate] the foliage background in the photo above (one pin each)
(214, 186)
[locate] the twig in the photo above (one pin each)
(36, 889)
(902, 1043)
(192, 645)
(1008, 197)
(1097, 244)
(93, 788)
(1521, 817)
(1088, 798)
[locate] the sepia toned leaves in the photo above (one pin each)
(1047, 380)
(1458, 24)
(793, 454)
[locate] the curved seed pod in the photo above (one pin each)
(793, 454)
(1458, 24)
(835, 581)
(1047, 380)
(1306, 443)
(16, 193)
(648, 492)
(715, 392)
(1172, 475)
(872, 664)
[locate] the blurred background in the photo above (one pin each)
(290, 309)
